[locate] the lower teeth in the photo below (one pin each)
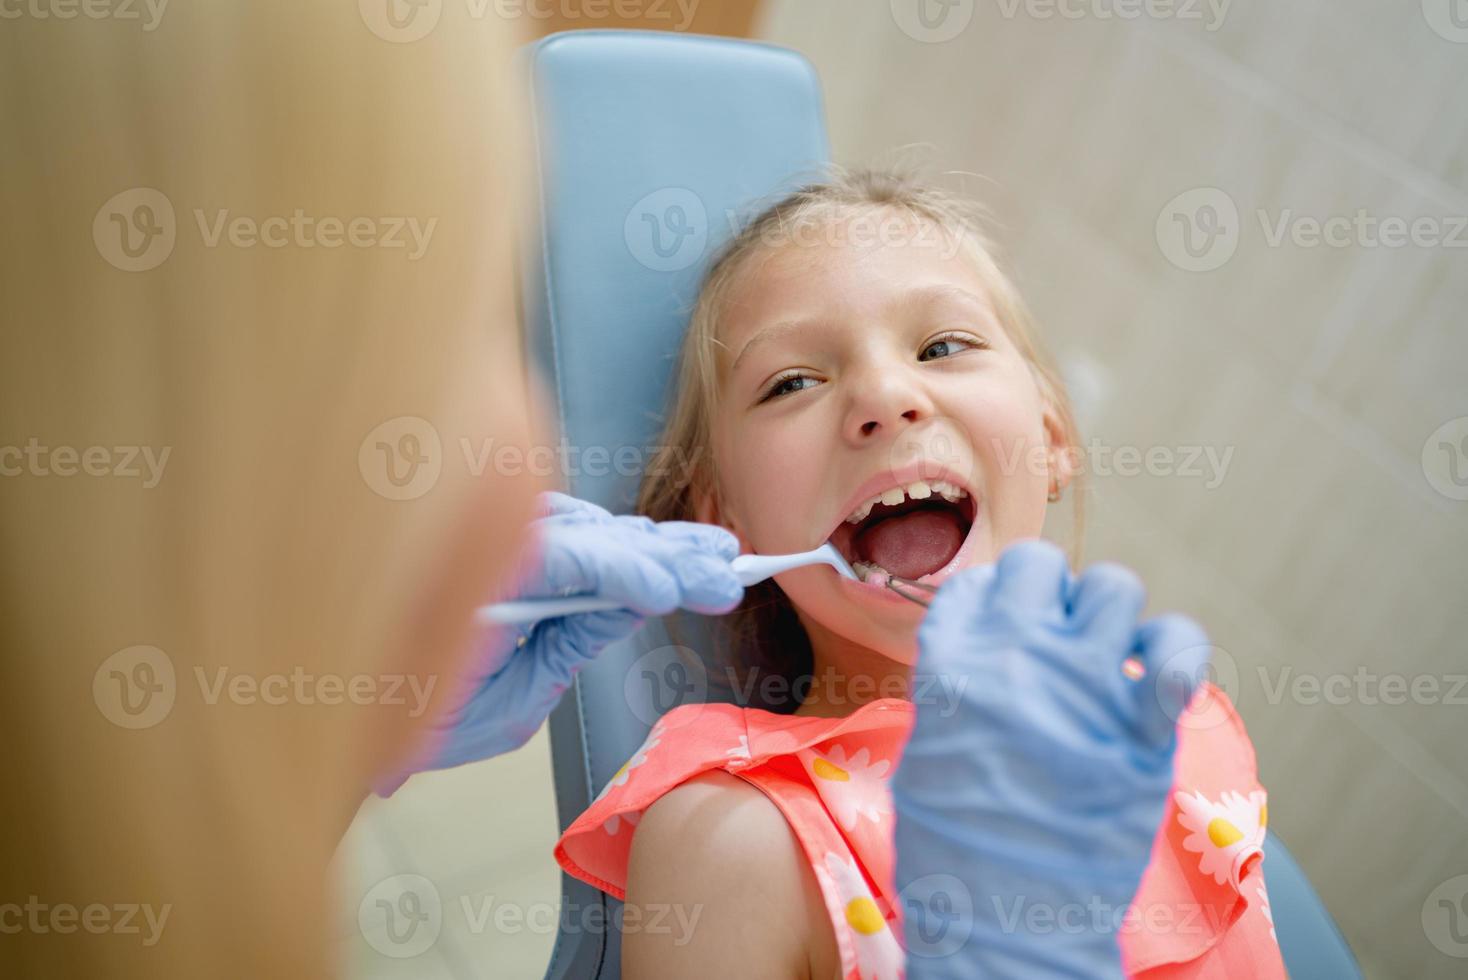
(865, 569)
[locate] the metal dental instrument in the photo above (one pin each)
(922, 587)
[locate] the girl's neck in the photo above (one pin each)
(846, 675)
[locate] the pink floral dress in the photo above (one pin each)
(1201, 911)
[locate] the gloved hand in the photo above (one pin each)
(519, 673)
(1043, 791)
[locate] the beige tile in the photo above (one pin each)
(480, 835)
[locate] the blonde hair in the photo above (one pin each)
(263, 548)
(764, 632)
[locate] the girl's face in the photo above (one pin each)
(851, 373)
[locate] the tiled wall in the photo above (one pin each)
(1334, 541)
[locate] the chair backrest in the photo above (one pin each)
(651, 147)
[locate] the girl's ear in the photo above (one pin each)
(707, 510)
(1061, 455)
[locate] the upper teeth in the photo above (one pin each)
(917, 490)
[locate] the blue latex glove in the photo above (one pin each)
(1026, 817)
(519, 674)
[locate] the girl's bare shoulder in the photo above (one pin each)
(716, 854)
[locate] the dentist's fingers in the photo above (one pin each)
(646, 572)
(715, 540)
(1105, 603)
(552, 503)
(1031, 575)
(1175, 651)
(952, 615)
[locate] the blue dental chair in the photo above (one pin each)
(651, 147)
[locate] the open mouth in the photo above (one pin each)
(910, 530)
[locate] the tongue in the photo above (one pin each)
(912, 544)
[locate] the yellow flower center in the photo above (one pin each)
(1222, 833)
(827, 770)
(864, 917)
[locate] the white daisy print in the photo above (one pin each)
(638, 758)
(615, 822)
(1225, 835)
(1264, 907)
(851, 788)
(739, 754)
(878, 954)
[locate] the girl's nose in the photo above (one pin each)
(883, 401)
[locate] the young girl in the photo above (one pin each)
(864, 373)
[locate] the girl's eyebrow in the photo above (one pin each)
(772, 333)
(914, 298)
(932, 295)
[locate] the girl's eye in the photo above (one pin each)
(785, 385)
(949, 344)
